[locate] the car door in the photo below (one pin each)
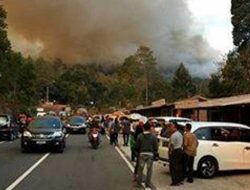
(163, 148)
(227, 148)
(245, 139)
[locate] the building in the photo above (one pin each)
(198, 108)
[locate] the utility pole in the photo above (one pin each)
(147, 84)
(47, 94)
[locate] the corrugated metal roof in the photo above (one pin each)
(227, 101)
(201, 102)
(190, 102)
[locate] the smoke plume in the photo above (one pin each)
(106, 31)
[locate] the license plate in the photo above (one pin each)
(40, 142)
(75, 129)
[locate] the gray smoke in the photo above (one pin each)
(106, 31)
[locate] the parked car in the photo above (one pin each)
(77, 124)
(47, 131)
(161, 120)
(222, 146)
(8, 127)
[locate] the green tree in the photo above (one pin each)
(241, 35)
(215, 86)
(182, 83)
(201, 86)
(234, 76)
(5, 47)
(241, 21)
(145, 57)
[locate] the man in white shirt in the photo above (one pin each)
(176, 156)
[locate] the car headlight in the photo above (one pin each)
(27, 134)
(56, 134)
(83, 125)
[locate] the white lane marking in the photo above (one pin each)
(1, 142)
(130, 166)
(24, 175)
(67, 136)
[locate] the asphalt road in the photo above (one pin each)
(79, 167)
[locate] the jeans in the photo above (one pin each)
(148, 160)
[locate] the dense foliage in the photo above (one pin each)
(24, 82)
(234, 76)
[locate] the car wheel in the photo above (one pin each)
(207, 167)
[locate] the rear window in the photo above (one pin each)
(45, 123)
(179, 120)
(74, 120)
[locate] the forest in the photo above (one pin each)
(138, 80)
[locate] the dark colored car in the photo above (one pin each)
(47, 131)
(8, 127)
(77, 124)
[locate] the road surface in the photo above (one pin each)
(79, 167)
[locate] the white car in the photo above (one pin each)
(222, 146)
(167, 119)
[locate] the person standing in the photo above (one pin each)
(147, 148)
(165, 130)
(176, 156)
(111, 129)
(125, 131)
(152, 123)
(190, 145)
(138, 131)
(116, 131)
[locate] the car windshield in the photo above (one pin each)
(3, 120)
(77, 120)
(45, 123)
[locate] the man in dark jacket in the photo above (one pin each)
(138, 131)
(147, 148)
(125, 131)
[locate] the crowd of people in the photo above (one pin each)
(142, 139)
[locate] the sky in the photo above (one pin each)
(214, 20)
(195, 32)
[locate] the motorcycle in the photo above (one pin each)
(94, 139)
